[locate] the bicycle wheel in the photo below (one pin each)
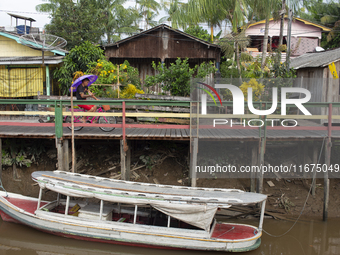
(107, 120)
(68, 120)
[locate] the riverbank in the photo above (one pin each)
(167, 163)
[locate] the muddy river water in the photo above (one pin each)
(309, 236)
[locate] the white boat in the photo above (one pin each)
(131, 213)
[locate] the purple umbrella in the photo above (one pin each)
(78, 81)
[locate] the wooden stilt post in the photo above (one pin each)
(128, 161)
(125, 174)
(327, 162)
(262, 147)
(254, 158)
(59, 146)
(74, 170)
(66, 155)
(122, 160)
(326, 180)
(259, 186)
(315, 161)
(193, 160)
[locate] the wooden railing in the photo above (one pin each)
(57, 108)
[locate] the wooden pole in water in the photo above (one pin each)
(128, 161)
(122, 160)
(193, 164)
(326, 180)
(72, 125)
(259, 186)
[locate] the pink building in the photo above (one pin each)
(306, 35)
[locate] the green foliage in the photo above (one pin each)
(228, 69)
(76, 22)
(77, 60)
(20, 152)
(88, 20)
(198, 32)
(116, 19)
(104, 91)
(257, 89)
(273, 68)
(176, 77)
(20, 159)
(107, 72)
(245, 57)
(129, 91)
(148, 161)
(327, 14)
(148, 9)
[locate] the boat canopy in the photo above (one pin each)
(195, 206)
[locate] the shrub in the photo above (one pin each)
(129, 91)
(255, 85)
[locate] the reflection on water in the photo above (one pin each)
(307, 237)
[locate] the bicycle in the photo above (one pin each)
(91, 119)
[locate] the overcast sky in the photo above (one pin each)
(23, 8)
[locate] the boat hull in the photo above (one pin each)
(124, 234)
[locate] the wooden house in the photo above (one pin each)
(314, 74)
(23, 71)
(305, 36)
(161, 44)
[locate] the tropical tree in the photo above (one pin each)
(148, 9)
(75, 22)
(175, 10)
(239, 41)
(176, 77)
(77, 60)
(328, 14)
(115, 18)
(212, 12)
(198, 32)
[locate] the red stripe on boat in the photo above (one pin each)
(232, 231)
(28, 205)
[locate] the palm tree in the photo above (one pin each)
(148, 8)
(212, 12)
(327, 14)
(52, 6)
(115, 18)
(175, 10)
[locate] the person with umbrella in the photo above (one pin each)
(80, 86)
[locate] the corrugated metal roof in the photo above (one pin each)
(162, 26)
(48, 60)
(316, 59)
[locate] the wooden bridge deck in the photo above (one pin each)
(48, 132)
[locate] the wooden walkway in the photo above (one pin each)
(48, 132)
